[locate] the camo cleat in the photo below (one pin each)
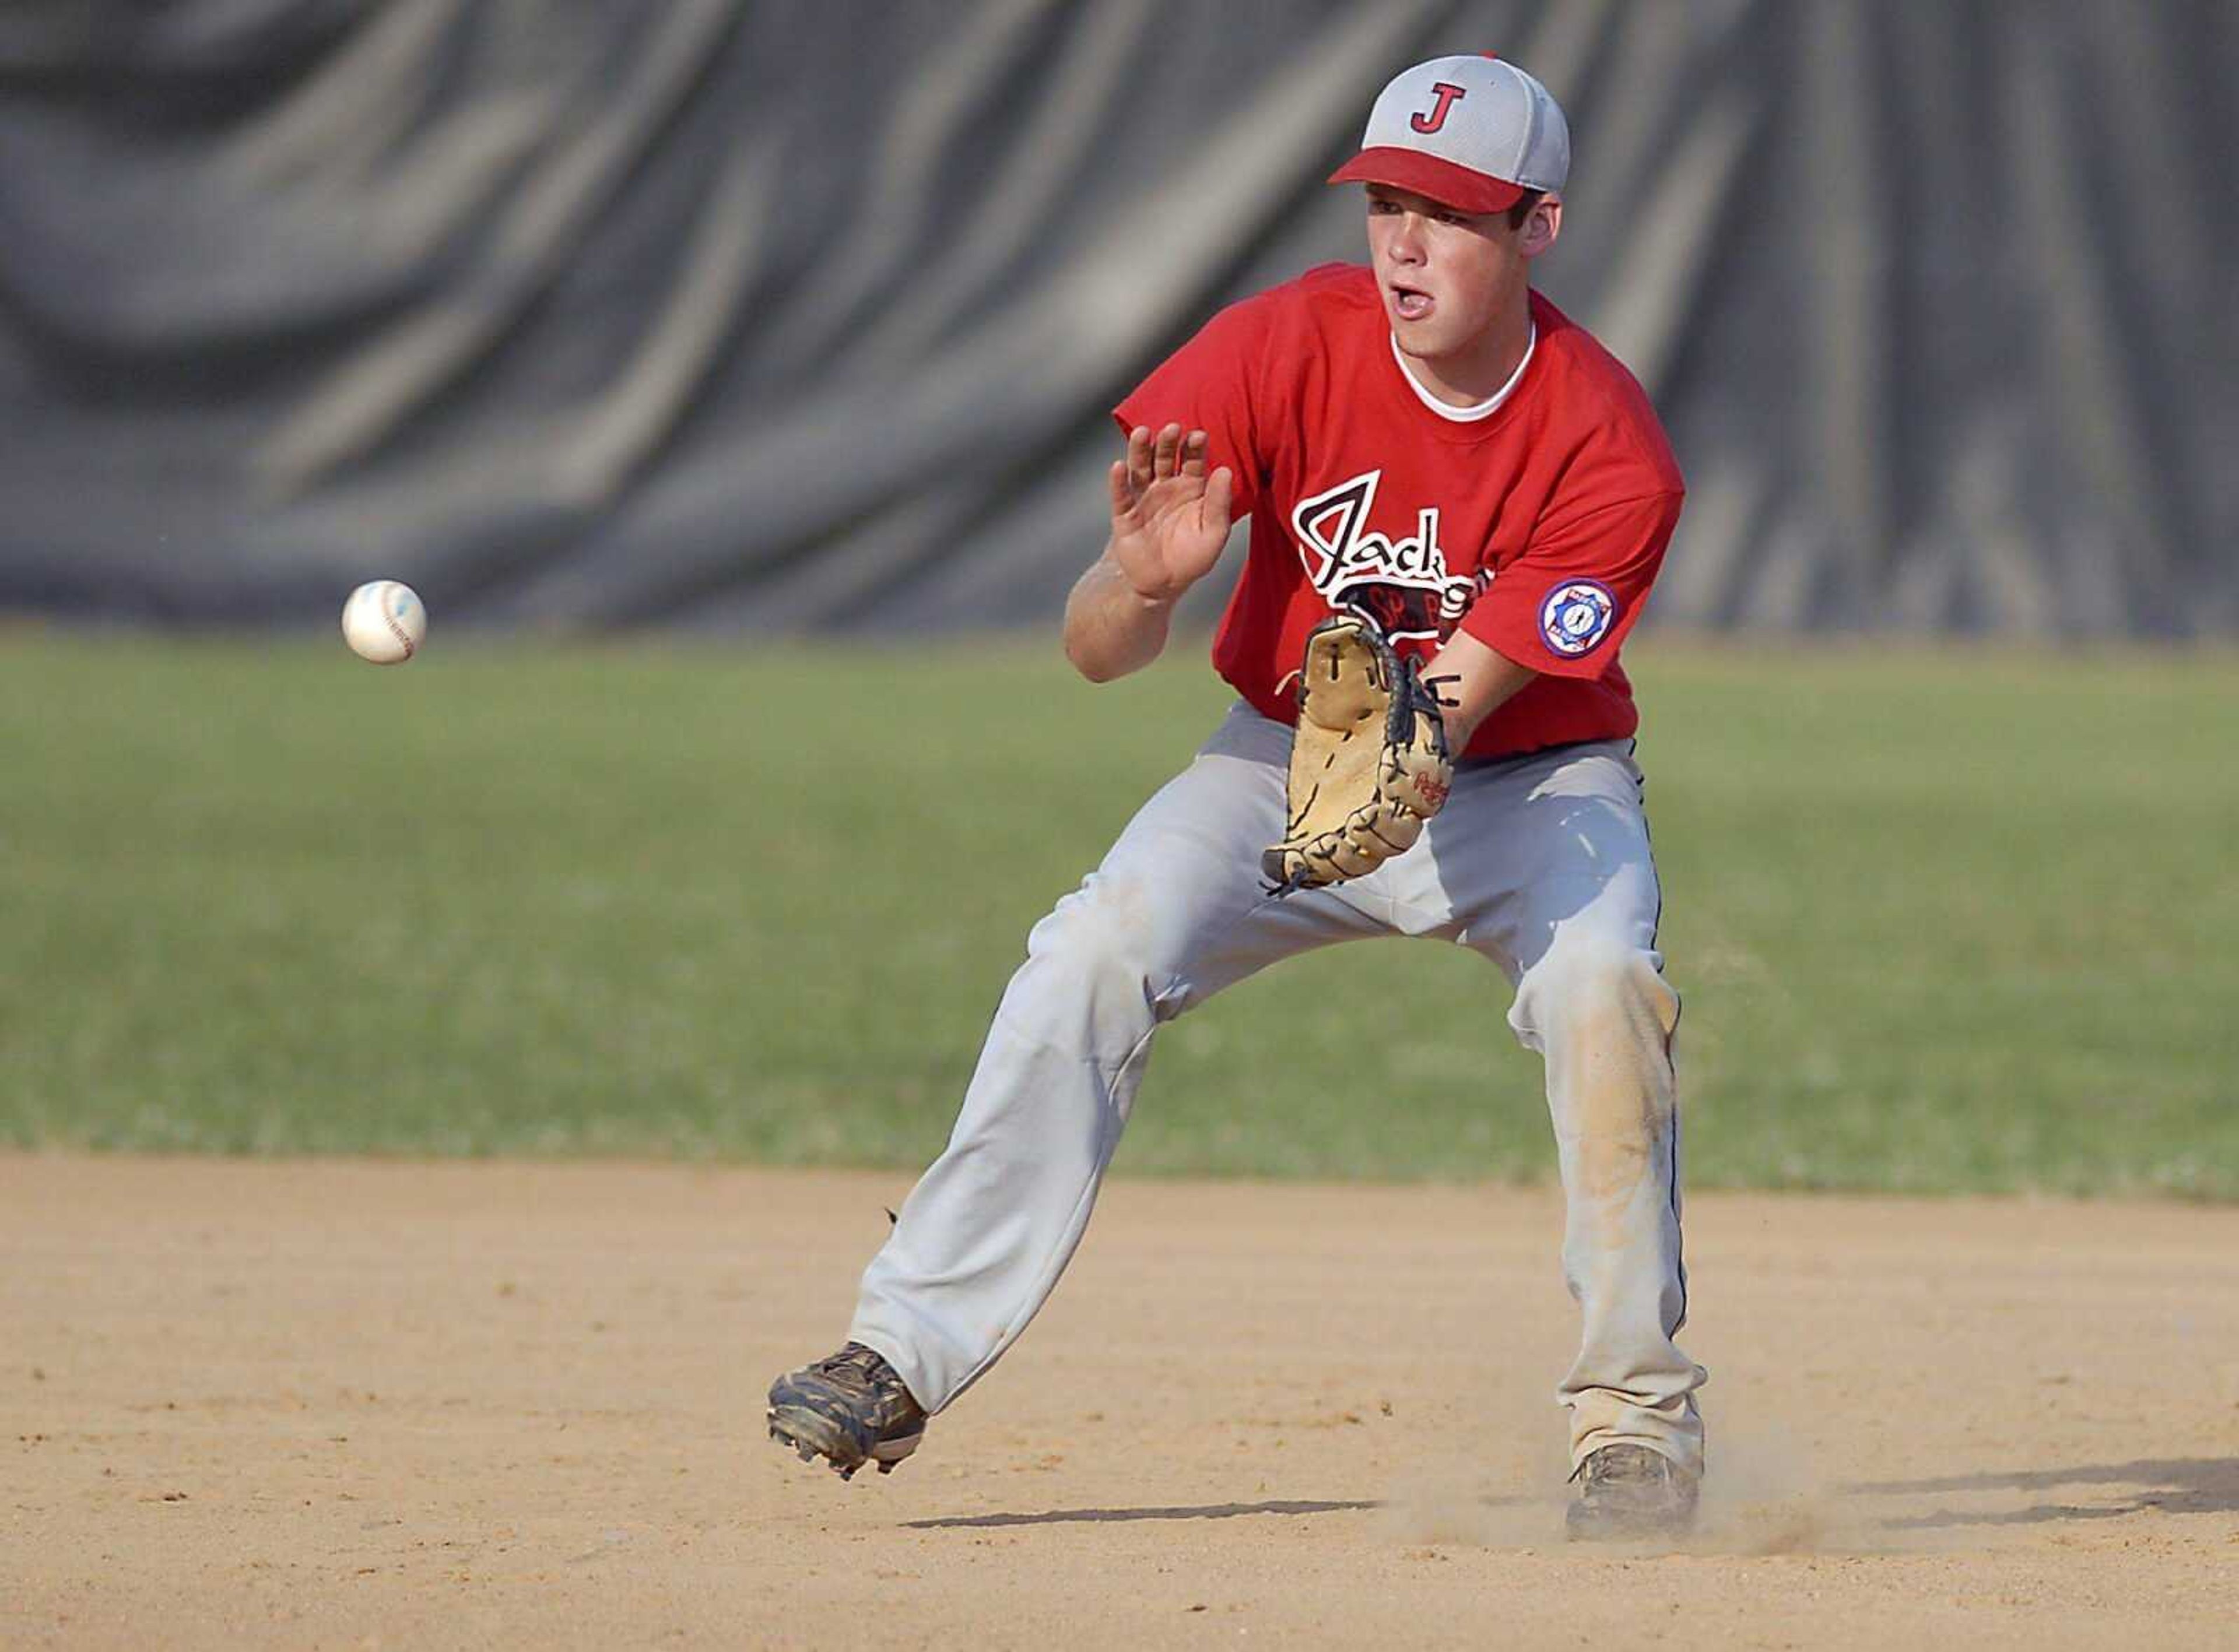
(849, 1409)
(1628, 1492)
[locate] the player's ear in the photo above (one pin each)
(1544, 223)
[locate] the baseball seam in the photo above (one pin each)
(403, 637)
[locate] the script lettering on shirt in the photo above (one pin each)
(1404, 584)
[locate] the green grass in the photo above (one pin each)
(1943, 920)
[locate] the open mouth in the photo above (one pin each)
(1410, 304)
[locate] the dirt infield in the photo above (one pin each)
(350, 1405)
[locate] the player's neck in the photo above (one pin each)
(1477, 372)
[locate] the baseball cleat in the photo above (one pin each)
(849, 1409)
(1629, 1491)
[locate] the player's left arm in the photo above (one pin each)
(1563, 607)
(1472, 680)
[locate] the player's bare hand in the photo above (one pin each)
(1169, 518)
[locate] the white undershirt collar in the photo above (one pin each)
(1483, 409)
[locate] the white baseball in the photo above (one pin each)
(384, 622)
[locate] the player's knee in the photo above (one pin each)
(1097, 942)
(1597, 980)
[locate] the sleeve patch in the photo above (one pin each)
(1575, 615)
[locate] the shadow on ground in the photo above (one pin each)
(1205, 1511)
(2174, 1486)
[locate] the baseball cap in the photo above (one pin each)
(1471, 132)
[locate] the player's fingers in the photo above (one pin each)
(1219, 493)
(1123, 490)
(1193, 448)
(1138, 457)
(1162, 459)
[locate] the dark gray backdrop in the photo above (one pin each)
(808, 314)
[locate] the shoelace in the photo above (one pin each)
(867, 1366)
(857, 1362)
(1626, 1471)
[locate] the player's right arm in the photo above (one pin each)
(1169, 522)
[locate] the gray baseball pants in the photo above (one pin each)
(1541, 863)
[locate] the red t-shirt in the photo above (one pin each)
(1538, 529)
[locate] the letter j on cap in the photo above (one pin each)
(1430, 120)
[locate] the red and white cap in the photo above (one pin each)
(1471, 132)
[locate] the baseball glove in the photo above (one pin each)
(1369, 763)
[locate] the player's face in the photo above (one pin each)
(1447, 277)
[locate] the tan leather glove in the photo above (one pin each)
(1369, 763)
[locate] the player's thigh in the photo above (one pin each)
(1181, 899)
(1562, 852)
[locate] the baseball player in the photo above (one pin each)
(1447, 475)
